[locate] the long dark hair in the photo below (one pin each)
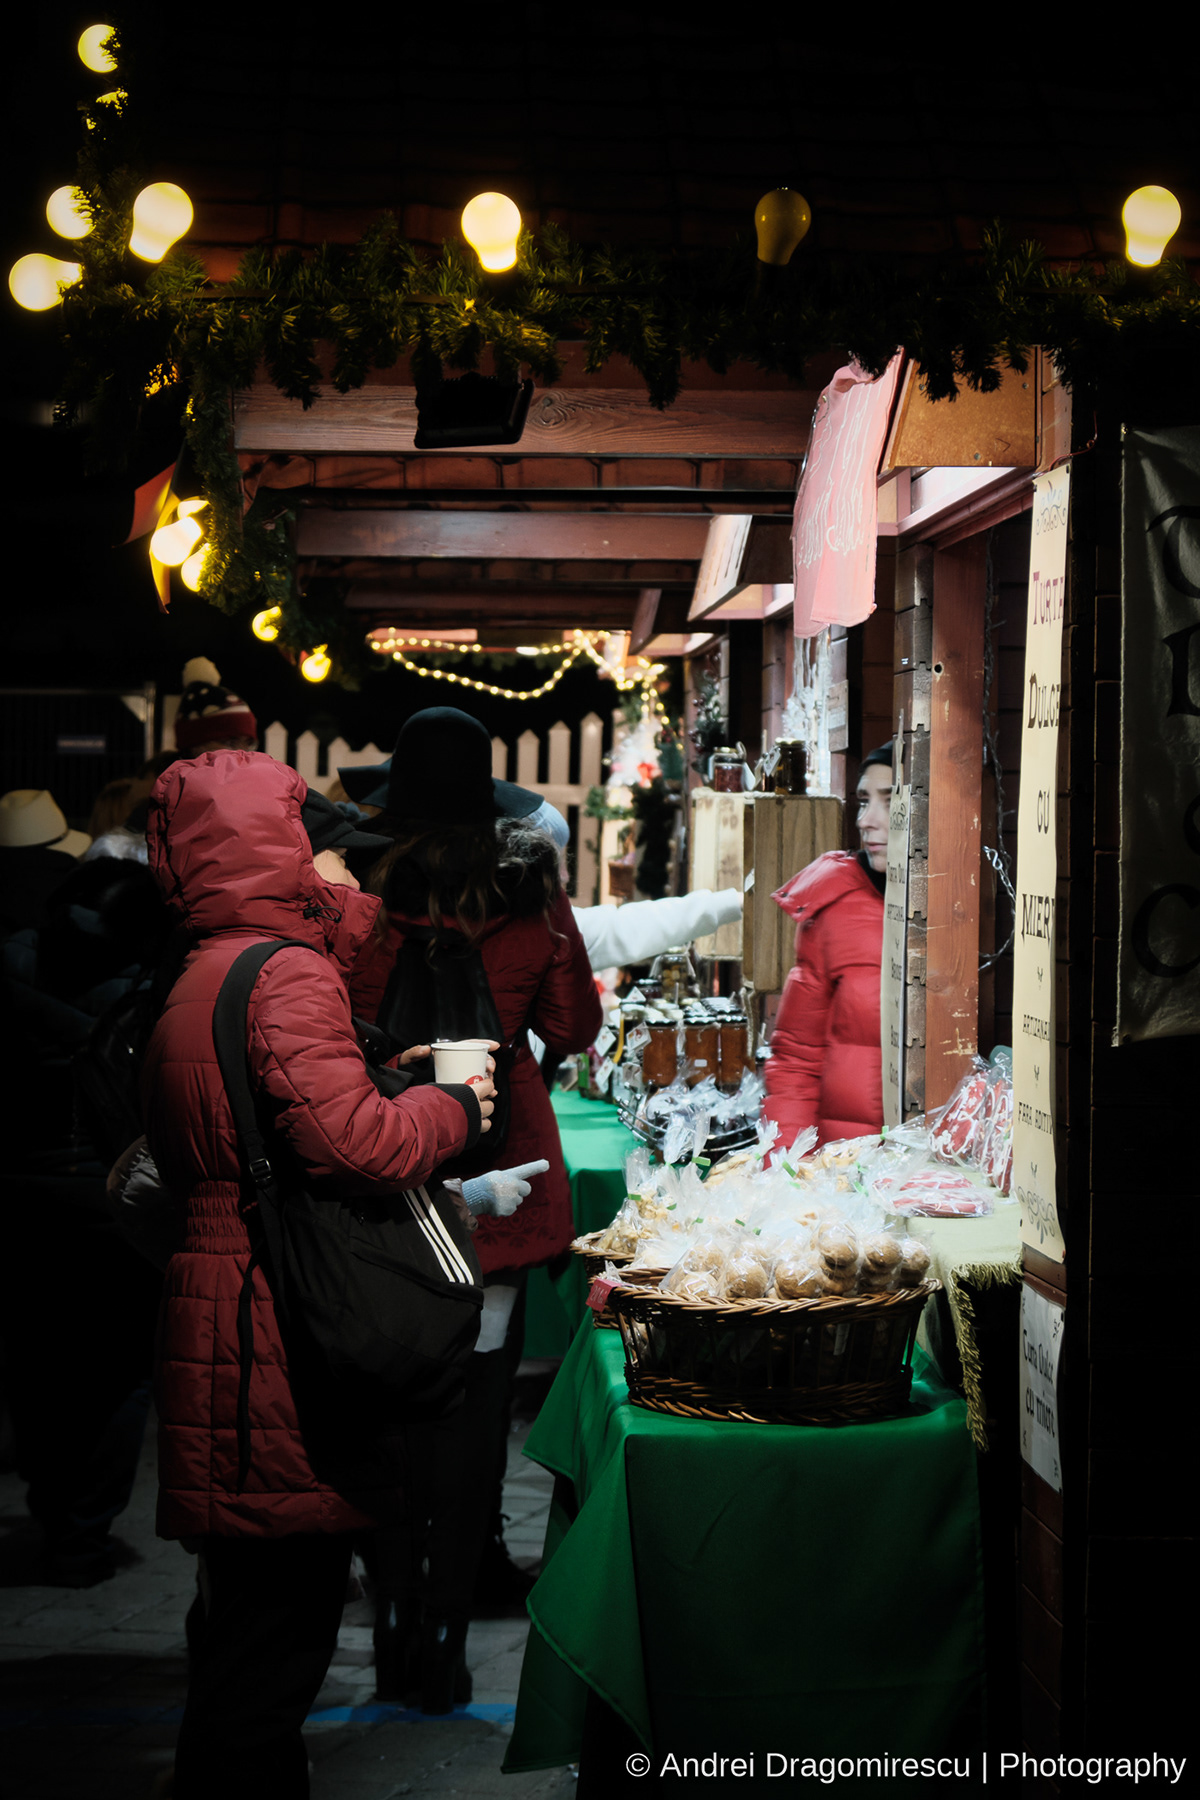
(465, 874)
(448, 873)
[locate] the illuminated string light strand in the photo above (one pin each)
(582, 644)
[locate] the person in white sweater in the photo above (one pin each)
(616, 936)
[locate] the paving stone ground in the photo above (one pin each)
(92, 1682)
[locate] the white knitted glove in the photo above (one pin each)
(500, 1191)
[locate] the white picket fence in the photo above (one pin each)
(510, 762)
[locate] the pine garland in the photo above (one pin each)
(133, 330)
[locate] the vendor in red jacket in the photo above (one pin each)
(229, 851)
(824, 1068)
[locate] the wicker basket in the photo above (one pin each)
(797, 1362)
(593, 1264)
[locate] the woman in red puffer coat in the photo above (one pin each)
(230, 854)
(825, 1063)
(470, 884)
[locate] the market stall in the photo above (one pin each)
(730, 1588)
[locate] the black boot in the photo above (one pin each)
(501, 1588)
(445, 1678)
(397, 1648)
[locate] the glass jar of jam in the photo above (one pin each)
(791, 766)
(728, 766)
(733, 1051)
(700, 1042)
(660, 1057)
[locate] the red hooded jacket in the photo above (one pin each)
(232, 858)
(825, 1064)
(540, 977)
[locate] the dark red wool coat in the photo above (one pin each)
(825, 1061)
(540, 977)
(231, 856)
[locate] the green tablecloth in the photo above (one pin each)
(808, 1590)
(595, 1145)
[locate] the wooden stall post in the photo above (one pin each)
(955, 805)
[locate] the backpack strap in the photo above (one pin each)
(229, 1041)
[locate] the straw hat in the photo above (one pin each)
(31, 820)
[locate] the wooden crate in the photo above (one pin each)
(782, 834)
(715, 860)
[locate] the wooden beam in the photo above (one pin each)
(591, 609)
(482, 536)
(564, 421)
(955, 805)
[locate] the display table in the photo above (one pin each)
(727, 1588)
(595, 1145)
(971, 1258)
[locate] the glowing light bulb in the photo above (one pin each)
(491, 225)
(162, 213)
(781, 219)
(34, 281)
(1151, 216)
(173, 544)
(187, 507)
(317, 664)
(68, 214)
(114, 97)
(193, 567)
(91, 52)
(265, 625)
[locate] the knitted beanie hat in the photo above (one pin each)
(208, 710)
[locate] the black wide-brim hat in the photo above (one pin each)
(440, 769)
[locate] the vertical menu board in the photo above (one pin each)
(1034, 949)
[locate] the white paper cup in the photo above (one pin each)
(456, 1062)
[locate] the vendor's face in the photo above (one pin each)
(874, 793)
(331, 865)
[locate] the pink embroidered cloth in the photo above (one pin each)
(833, 533)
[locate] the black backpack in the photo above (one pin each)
(438, 989)
(378, 1300)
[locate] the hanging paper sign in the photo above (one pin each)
(1158, 980)
(1034, 1164)
(892, 970)
(1042, 1323)
(834, 527)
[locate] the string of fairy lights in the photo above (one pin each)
(642, 674)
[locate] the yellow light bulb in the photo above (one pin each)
(67, 213)
(265, 625)
(1151, 216)
(162, 213)
(188, 507)
(34, 281)
(491, 225)
(781, 219)
(316, 665)
(192, 568)
(91, 52)
(173, 544)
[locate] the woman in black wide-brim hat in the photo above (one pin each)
(480, 942)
